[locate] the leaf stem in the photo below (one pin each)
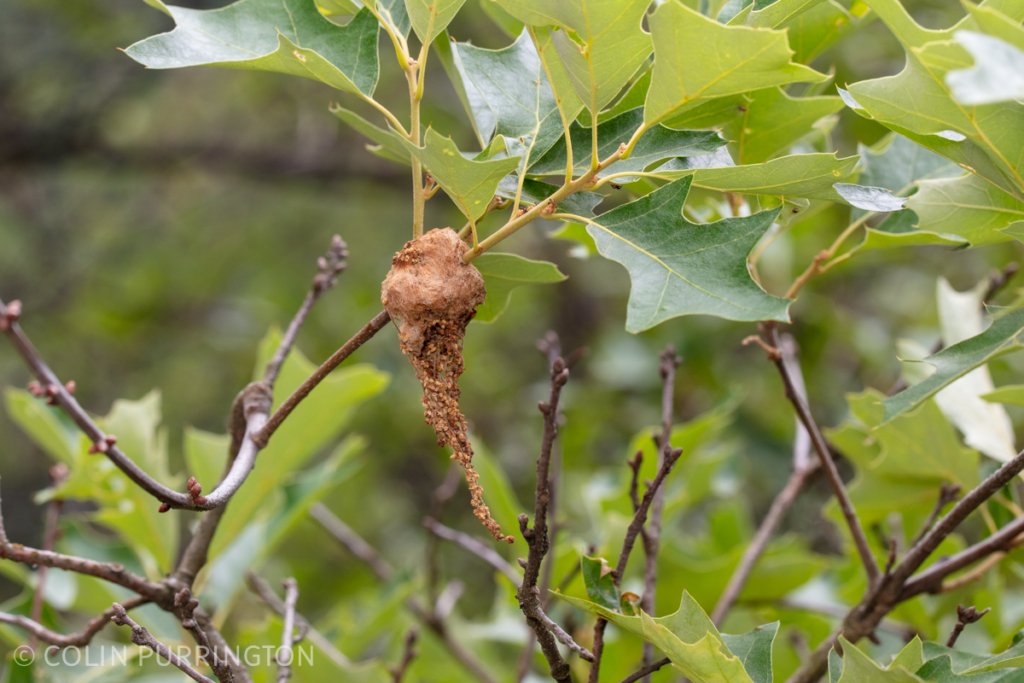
(819, 265)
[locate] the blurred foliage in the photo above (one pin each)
(157, 225)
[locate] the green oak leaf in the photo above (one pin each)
(288, 37)
(820, 27)
(429, 18)
(600, 43)
(869, 197)
(968, 206)
(505, 272)
(284, 36)
(679, 268)
(1010, 394)
(754, 650)
(599, 581)
(772, 14)
(655, 145)
(769, 121)
(389, 144)
(797, 175)
(471, 184)
(687, 637)
(858, 667)
(986, 139)
(1002, 336)
(507, 93)
(732, 60)
(391, 13)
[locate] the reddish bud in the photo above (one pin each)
(70, 386)
(35, 388)
(164, 507)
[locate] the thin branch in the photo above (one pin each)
(645, 671)
(921, 550)
(59, 394)
(651, 535)
(79, 638)
(367, 554)
(143, 638)
(375, 325)
(408, 654)
(538, 538)
(288, 637)
(947, 494)
(803, 468)
(803, 411)
(108, 571)
(965, 616)
(265, 593)
(474, 546)
(634, 529)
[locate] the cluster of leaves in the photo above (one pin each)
(678, 141)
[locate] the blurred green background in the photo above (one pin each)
(157, 224)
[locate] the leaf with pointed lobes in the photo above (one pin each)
(680, 268)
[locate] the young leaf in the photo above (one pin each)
(732, 60)
(918, 103)
(1002, 336)
(389, 144)
(284, 36)
(470, 184)
(601, 46)
(429, 18)
(687, 637)
(506, 272)
(508, 94)
(968, 206)
(859, 668)
(769, 121)
(656, 145)
(679, 268)
(599, 582)
(1010, 394)
(754, 650)
(797, 175)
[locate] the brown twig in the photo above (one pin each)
(803, 468)
(284, 653)
(651, 534)
(901, 584)
(79, 638)
(538, 538)
(368, 555)
(143, 638)
(408, 654)
(365, 333)
(965, 616)
(947, 494)
(634, 529)
(803, 411)
(473, 546)
(305, 630)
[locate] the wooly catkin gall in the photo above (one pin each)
(431, 295)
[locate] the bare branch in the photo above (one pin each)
(408, 654)
(288, 637)
(803, 411)
(634, 529)
(473, 546)
(365, 333)
(965, 616)
(803, 468)
(143, 638)
(78, 638)
(263, 590)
